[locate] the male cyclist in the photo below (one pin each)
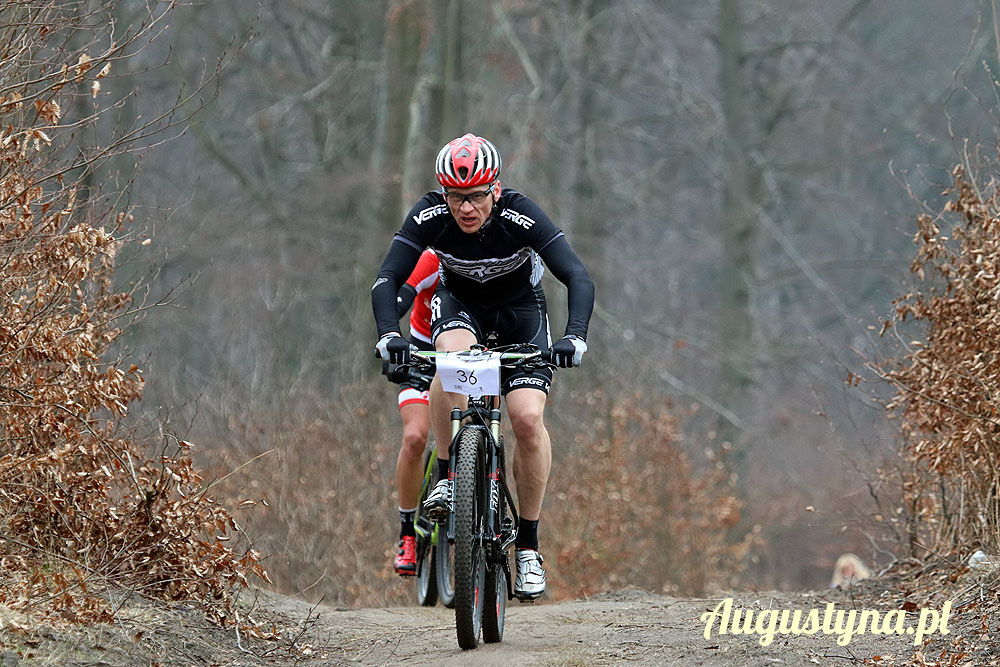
(417, 290)
(491, 244)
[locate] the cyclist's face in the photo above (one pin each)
(471, 212)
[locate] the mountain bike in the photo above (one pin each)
(435, 578)
(482, 521)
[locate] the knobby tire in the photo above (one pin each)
(427, 585)
(427, 568)
(444, 559)
(470, 564)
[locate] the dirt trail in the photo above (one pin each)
(631, 627)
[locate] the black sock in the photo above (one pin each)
(442, 468)
(527, 534)
(406, 523)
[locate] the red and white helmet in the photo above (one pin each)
(466, 162)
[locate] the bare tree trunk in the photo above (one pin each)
(590, 113)
(403, 34)
(738, 230)
(451, 120)
(438, 111)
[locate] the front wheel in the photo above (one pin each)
(470, 561)
(427, 570)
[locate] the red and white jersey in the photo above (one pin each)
(424, 280)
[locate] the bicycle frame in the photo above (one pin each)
(483, 413)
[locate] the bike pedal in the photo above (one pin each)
(438, 514)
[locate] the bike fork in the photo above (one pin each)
(456, 426)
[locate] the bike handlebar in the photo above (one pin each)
(511, 356)
(419, 371)
(422, 364)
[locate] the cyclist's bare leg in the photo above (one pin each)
(409, 464)
(441, 401)
(416, 423)
(532, 450)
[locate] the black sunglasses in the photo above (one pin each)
(456, 199)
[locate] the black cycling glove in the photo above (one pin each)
(393, 348)
(568, 351)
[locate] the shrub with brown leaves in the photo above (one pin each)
(629, 507)
(947, 381)
(84, 504)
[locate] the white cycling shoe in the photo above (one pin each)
(438, 501)
(530, 581)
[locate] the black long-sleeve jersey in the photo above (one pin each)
(497, 265)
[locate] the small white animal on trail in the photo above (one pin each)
(848, 569)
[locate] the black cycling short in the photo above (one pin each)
(524, 321)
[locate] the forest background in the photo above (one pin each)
(741, 178)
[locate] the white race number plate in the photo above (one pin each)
(470, 374)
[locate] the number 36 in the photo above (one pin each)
(467, 377)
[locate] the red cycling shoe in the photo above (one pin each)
(405, 562)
